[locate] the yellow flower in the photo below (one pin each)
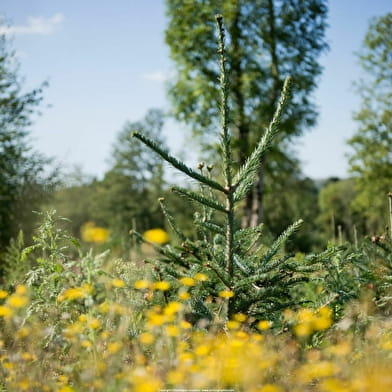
(263, 325)
(103, 307)
(315, 370)
(226, 294)
(5, 311)
(162, 285)
(117, 283)
(86, 343)
(146, 338)
(185, 325)
(66, 388)
(321, 323)
(114, 347)
(271, 388)
(240, 317)
(172, 308)
(17, 301)
(187, 281)
(76, 293)
(201, 277)
(232, 324)
(3, 294)
(184, 295)
(94, 323)
(141, 284)
(156, 236)
(172, 330)
(21, 289)
(95, 234)
(304, 329)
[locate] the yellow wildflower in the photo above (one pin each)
(76, 293)
(240, 317)
(156, 236)
(94, 323)
(184, 295)
(263, 325)
(94, 234)
(5, 311)
(232, 324)
(146, 338)
(271, 388)
(141, 284)
(172, 330)
(17, 301)
(226, 294)
(119, 283)
(187, 281)
(201, 277)
(172, 308)
(114, 347)
(185, 325)
(3, 294)
(162, 285)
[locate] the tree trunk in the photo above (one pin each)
(256, 202)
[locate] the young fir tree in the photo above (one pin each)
(249, 277)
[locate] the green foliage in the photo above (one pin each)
(269, 41)
(235, 260)
(336, 209)
(24, 179)
(371, 160)
(130, 188)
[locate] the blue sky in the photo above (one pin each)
(106, 63)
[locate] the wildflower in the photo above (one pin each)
(172, 308)
(17, 301)
(232, 324)
(240, 317)
(184, 295)
(161, 285)
(315, 370)
(185, 324)
(146, 338)
(3, 294)
(226, 294)
(5, 311)
(141, 284)
(187, 281)
(172, 330)
(103, 308)
(263, 325)
(114, 347)
(202, 350)
(21, 289)
(86, 343)
(156, 236)
(119, 283)
(94, 323)
(76, 293)
(271, 388)
(201, 277)
(94, 234)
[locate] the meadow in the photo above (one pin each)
(222, 308)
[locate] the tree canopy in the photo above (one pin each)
(371, 156)
(267, 41)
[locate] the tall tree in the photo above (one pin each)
(371, 159)
(269, 40)
(24, 178)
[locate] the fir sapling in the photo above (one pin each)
(242, 274)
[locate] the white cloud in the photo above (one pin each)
(158, 76)
(35, 25)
